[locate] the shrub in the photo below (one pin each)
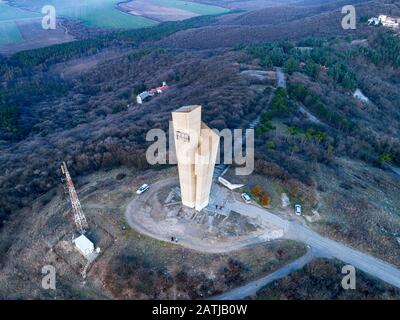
(265, 200)
(257, 191)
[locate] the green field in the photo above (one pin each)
(11, 13)
(9, 32)
(101, 13)
(201, 9)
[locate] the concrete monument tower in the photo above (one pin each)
(196, 151)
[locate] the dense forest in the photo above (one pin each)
(87, 122)
(25, 70)
(285, 54)
(330, 68)
(387, 50)
(62, 104)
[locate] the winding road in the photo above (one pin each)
(319, 245)
(324, 246)
(252, 287)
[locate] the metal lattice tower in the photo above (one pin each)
(79, 217)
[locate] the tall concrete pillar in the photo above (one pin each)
(196, 151)
(206, 156)
(187, 124)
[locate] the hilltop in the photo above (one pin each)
(316, 141)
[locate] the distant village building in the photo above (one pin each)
(162, 89)
(389, 22)
(386, 21)
(143, 97)
(374, 21)
(146, 95)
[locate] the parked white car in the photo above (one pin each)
(142, 189)
(297, 209)
(246, 198)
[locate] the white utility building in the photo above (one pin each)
(84, 245)
(141, 98)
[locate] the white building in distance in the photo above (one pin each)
(386, 21)
(143, 97)
(374, 21)
(146, 95)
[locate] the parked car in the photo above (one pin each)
(142, 189)
(246, 198)
(297, 209)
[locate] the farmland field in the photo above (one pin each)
(9, 32)
(19, 17)
(106, 14)
(100, 13)
(103, 13)
(12, 13)
(197, 8)
(156, 12)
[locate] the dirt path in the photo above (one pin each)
(281, 78)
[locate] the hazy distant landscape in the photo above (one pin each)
(17, 16)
